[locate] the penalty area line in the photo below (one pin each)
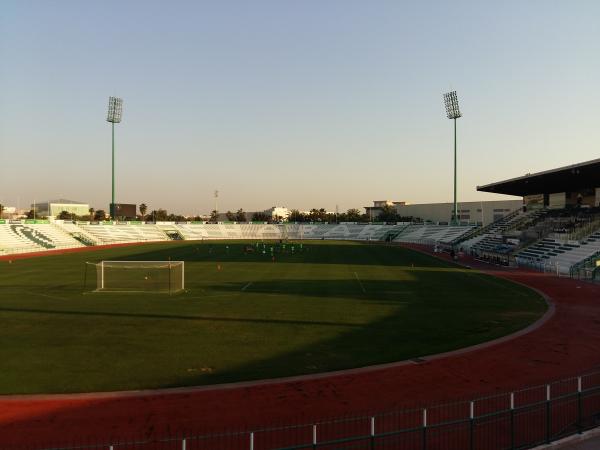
(360, 282)
(44, 295)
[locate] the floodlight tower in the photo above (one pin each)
(453, 112)
(115, 111)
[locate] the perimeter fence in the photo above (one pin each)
(513, 420)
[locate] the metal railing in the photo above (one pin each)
(586, 269)
(580, 233)
(6, 251)
(512, 420)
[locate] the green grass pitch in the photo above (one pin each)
(327, 306)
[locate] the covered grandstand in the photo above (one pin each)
(574, 185)
(559, 227)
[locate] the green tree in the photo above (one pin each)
(175, 218)
(341, 217)
(296, 216)
(65, 215)
(365, 218)
(240, 216)
(100, 215)
(1, 209)
(214, 216)
(143, 209)
(331, 218)
(353, 215)
(159, 215)
(388, 214)
(91, 211)
(261, 217)
(318, 215)
(230, 216)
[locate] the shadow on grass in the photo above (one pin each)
(344, 289)
(449, 311)
(425, 321)
(174, 317)
(421, 316)
(312, 252)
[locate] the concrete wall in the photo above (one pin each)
(469, 212)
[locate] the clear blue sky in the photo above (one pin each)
(296, 103)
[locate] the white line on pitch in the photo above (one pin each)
(212, 295)
(44, 295)
(247, 286)
(360, 282)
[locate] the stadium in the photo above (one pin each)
(468, 320)
(285, 329)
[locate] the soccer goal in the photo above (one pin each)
(140, 276)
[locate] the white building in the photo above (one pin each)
(8, 212)
(278, 212)
(481, 213)
(53, 208)
(378, 205)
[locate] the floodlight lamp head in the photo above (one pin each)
(451, 102)
(115, 109)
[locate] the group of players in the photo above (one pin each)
(270, 248)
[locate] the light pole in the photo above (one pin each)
(453, 112)
(216, 206)
(115, 111)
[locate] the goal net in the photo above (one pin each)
(140, 276)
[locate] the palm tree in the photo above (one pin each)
(91, 211)
(143, 209)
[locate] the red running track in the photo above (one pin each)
(566, 344)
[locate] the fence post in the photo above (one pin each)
(548, 423)
(372, 432)
(425, 429)
(579, 407)
(471, 424)
(183, 444)
(252, 440)
(314, 440)
(512, 420)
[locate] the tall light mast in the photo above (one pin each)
(453, 112)
(115, 111)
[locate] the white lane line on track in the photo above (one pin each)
(360, 282)
(247, 286)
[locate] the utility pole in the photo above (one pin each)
(216, 206)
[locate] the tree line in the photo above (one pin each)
(387, 214)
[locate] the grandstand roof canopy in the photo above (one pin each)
(564, 179)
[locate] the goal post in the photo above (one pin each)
(140, 276)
